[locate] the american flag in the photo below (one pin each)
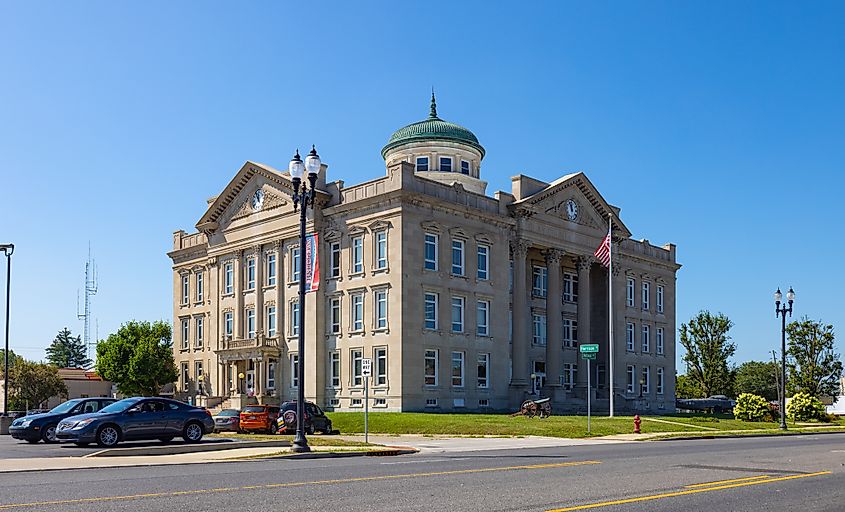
(603, 252)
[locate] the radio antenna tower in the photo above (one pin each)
(85, 315)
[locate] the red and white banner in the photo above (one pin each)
(312, 263)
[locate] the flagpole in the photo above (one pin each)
(610, 306)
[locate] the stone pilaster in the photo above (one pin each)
(259, 289)
(584, 263)
(239, 295)
(554, 320)
(521, 333)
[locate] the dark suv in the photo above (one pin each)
(42, 427)
(315, 419)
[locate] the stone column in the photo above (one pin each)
(521, 326)
(239, 295)
(583, 264)
(554, 321)
(259, 290)
(259, 375)
(618, 342)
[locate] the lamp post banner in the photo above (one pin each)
(312, 263)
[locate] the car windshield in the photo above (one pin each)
(229, 412)
(120, 405)
(254, 408)
(65, 407)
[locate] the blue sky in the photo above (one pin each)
(714, 125)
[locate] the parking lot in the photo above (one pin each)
(16, 449)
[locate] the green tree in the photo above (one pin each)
(686, 388)
(757, 378)
(67, 351)
(13, 359)
(138, 358)
(34, 383)
(813, 364)
(708, 348)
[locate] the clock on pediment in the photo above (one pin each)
(257, 200)
(571, 208)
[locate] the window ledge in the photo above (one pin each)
(357, 333)
(268, 286)
(230, 294)
(353, 275)
(385, 270)
(383, 330)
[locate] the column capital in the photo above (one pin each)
(239, 253)
(277, 244)
(519, 247)
(584, 263)
(553, 256)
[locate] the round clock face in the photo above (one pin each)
(571, 209)
(257, 199)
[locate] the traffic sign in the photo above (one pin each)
(588, 355)
(589, 348)
(366, 367)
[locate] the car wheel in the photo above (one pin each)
(48, 434)
(108, 436)
(328, 430)
(192, 432)
(273, 428)
(310, 429)
(166, 439)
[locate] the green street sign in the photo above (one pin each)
(588, 355)
(589, 349)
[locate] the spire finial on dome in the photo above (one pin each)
(433, 112)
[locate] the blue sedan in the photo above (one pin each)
(137, 418)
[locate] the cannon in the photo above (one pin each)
(541, 407)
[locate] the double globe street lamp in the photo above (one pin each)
(782, 312)
(303, 197)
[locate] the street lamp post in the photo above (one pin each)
(303, 197)
(241, 382)
(782, 311)
(7, 249)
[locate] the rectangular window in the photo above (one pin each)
(199, 332)
(186, 377)
(457, 314)
(356, 402)
(250, 323)
(199, 287)
(431, 402)
(271, 374)
(445, 164)
(381, 249)
(570, 287)
(422, 163)
(381, 366)
(484, 402)
(431, 368)
(381, 309)
(483, 371)
(660, 298)
(271, 269)
(646, 380)
(228, 323)
(357, 254)
(294, 264)
(539, 375)
(357, 369)
(430, 251)
(228, 278)
(645, 295)
(358, 312)
(431, 310)
(186, 337)
(601, 376)
(197, 371)
(482, 318)
(659, 340)
(631, 375)
(646, 341)
(464, 167)
(334, 368)
(457, 257)
(483, 262)
(660, 377)
(540, 278)
(570, 373)
(334, 265)
(629, 292)
(458, 369)
(250, 274)
(186, 288)
(334, 315)
(539, 329)
(294, 318)
(294, 371)
(271, 321)
(570, 332)
(629, 337)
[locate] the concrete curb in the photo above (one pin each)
(391, 451)
(745, 436)
(184, 448)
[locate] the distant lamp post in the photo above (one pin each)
(241, 382)
(534, 387)
(782, 312)
(7, 249)
(642, 386)
(303, 197)
(199, 380)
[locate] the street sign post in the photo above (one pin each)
(589, 351)
(366, 371)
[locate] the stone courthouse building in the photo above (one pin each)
(463, 300)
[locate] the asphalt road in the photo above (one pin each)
(800, 473)
(16, 449)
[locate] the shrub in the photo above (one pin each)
(805, 407)
(751, 407)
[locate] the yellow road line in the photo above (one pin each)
(708, 484)
(683, 493)
(296, 484)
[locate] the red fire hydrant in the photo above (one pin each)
(637, 424)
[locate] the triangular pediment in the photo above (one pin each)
(592, 210)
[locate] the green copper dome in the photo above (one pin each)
(432, 128)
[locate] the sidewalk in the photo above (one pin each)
(444, 444)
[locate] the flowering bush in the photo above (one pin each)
(751, 407)
(804, 407)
